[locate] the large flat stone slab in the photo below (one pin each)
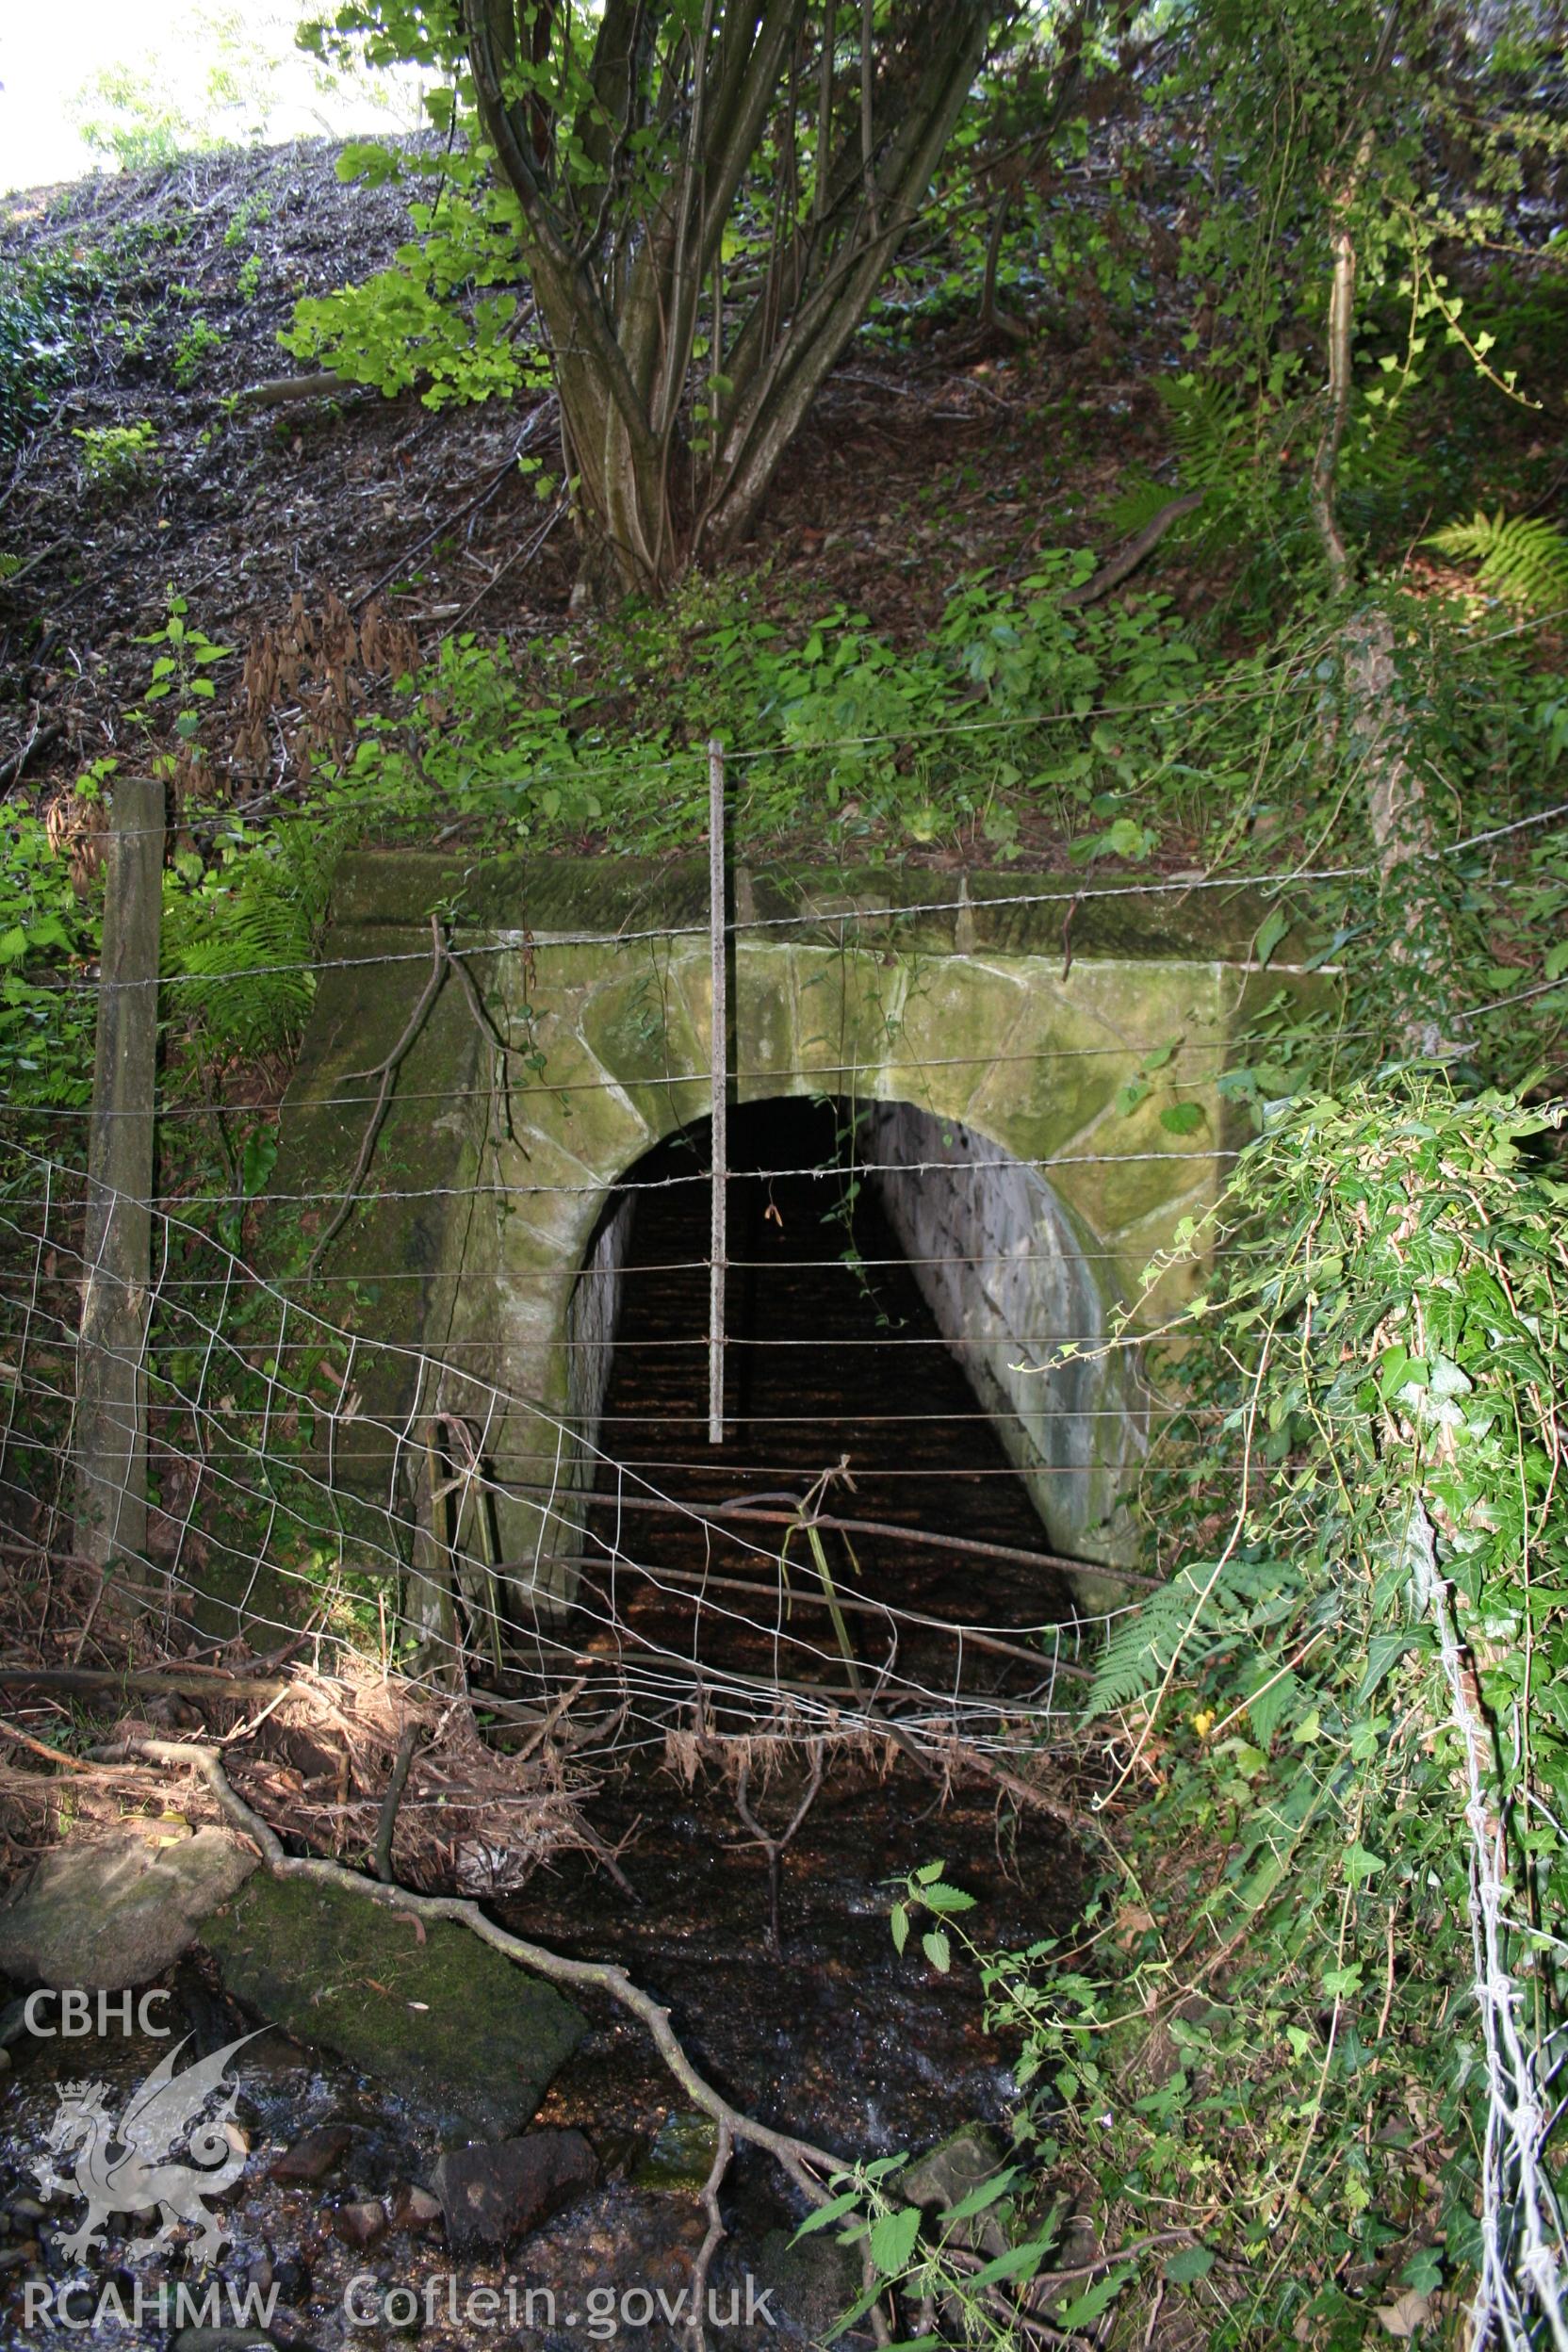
(444, 2021)
(120, 1911)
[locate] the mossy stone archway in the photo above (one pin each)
(953, 1012)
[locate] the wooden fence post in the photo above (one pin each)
(719, 1080)
(111, 1440)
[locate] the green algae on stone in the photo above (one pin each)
(442, 2020)
(681, 2157)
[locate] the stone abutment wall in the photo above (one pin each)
(939, 1003)
(1018, 1295)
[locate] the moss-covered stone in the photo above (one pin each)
(581, 1101)
(681, 2157)
(442, 2020)
(953, 992)
(955, 1016)
(767, 1024)
(1123, 1167)
(1056, 1069)
(638, 1026)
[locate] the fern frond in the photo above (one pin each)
(1518, 557)
(1206, 422)
(1137, 1657)
(242, 944)
(1142, 498)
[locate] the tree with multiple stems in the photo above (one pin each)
(704, 197)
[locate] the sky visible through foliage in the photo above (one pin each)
(228, 73)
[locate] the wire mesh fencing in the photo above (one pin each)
(307, 1479)
(282, 1500)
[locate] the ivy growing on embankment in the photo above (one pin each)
(1325, 1960)
(1392, 1369)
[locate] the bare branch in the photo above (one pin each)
(807, 2165)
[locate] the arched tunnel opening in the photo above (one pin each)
(756, 1711)
(844, 1401)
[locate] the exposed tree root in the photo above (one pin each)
(1131, 554)
(808, 2166)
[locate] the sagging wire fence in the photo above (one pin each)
(277, 1486)
(417, 1493)
(365, 1492)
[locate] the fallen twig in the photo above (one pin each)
(278, 391)
(1026, 1793)
(33, 561)
(698, 1577)
(38, 1747)
(471, 506)
(536, 1739)
(205, 1682)
(518, 555)
(386, 1820)
(1072, 906)
(42, 736)
(605, 1856)
(922, 1538)
(714, 2239)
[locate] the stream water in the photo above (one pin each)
(829, 2032)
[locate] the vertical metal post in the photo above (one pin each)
(110, 1439)
(719, 1071)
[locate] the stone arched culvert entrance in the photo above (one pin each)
(1052, 1115)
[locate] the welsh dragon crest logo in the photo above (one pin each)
(124, 2163)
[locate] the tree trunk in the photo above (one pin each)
(621, 267)
(770, 415)
(1420, 934)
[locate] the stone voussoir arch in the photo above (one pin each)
(1037, 1070)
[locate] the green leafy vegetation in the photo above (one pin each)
(1517, 557)
(48, 935)
(194, 347)
(833, 724)
(33, 347)
(1259, 2073)
(125, 116)
(1297, 1905)
(199, 79)
(1276, 2034)
(448, 316)
(118, 458)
